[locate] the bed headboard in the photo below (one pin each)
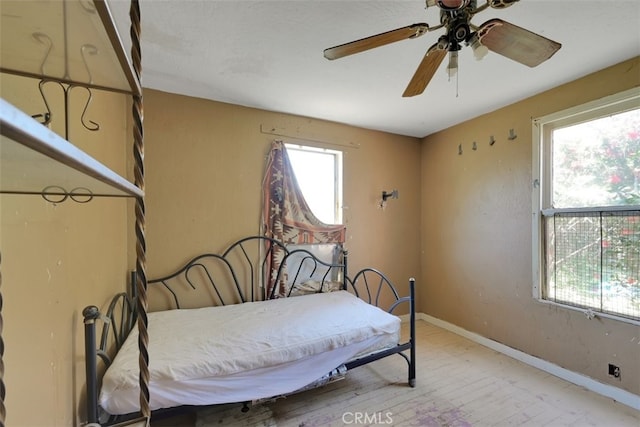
(311, 269)
(245, 271)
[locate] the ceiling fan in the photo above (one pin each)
(499, 36)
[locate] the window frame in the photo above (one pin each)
(542, 128)
(338, 172)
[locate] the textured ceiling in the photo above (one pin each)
(269, 55)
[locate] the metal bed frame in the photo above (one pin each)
(238, 275)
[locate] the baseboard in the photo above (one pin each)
(615, 393)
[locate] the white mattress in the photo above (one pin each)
(246, 351)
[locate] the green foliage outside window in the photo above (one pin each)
(597, 163)
(593, 257)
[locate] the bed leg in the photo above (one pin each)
(90, 314)
(412, 332)
(245, 407)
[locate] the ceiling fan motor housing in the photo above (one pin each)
(460, 31)
(452, 4)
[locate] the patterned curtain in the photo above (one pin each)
(285, 213)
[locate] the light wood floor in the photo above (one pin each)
(459, 383)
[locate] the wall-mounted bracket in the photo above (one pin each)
(389, 195)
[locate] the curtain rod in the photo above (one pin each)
(279, 131)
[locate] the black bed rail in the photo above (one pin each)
(91, 314)
(117, 323)
(370, 285)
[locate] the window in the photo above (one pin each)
(587, 206)
(319, 175)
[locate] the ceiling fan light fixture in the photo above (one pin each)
(443, 43)
(479, 50)
(452, 67)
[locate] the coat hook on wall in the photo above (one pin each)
(388, 195)
(512, 135)
(474, 147)
(460, 149)
(492, 140)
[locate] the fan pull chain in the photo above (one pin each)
(457, 86)
(457, 81)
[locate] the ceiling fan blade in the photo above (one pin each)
(409, 32)
(516, 43)
(425, 71)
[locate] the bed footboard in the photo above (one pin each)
(374, 287)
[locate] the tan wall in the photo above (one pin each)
(205, 163)
(477, 238)
(57, 259)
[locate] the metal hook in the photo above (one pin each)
(48, 115)
(389, 195)
(88, 124)
(45, 40)
(95, 126)
(91, 50)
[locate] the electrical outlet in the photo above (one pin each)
(614, 371)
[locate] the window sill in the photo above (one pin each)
(590, 314)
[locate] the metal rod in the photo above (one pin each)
(90, 314)
(412, 332)
(3, 411)
(138, 154)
